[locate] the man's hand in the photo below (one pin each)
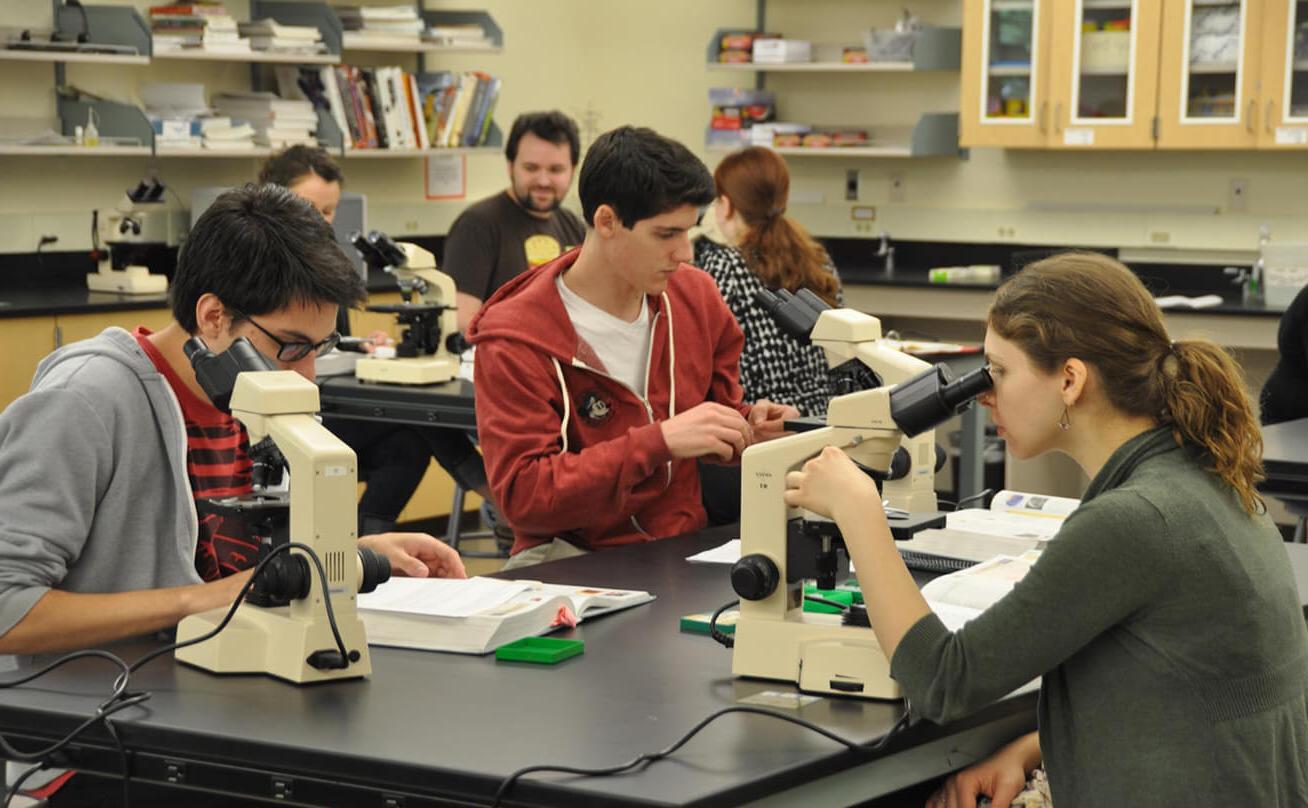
(417, 555)
(768, 419)
(708, 429)
(376, 340)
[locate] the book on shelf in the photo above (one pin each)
(478, 615)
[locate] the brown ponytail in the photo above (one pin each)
(1091, 307)
(776, 248)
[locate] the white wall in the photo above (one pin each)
(626, 61)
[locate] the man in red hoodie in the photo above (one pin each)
(604, 374)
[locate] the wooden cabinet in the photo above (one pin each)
(26, 342)
(1135, 74)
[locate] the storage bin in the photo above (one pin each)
(889, 45)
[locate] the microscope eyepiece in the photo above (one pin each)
(934, 396)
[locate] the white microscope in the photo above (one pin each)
(284, 628)
(887, 429)
(429, 348)
(140, 221)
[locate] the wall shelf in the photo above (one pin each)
(409, 153)
(934, 135)
(935, 48)
(74, 151)
(66, 57)
(251, 57)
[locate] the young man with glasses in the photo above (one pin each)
(104, 461)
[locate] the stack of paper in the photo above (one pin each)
(222, 132)
(273, 36)
(175, 110)
(468, 35)
(277, 122)
(381, 24)
(204, 26)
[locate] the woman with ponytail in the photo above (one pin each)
(1163, 617)
(758, 246)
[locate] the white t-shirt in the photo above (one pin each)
(622, 346)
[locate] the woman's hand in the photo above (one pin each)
(1001, 777)
(829, 483)
(375, 340)
(417, 555)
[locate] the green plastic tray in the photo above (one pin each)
(540, 650)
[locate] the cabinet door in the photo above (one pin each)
(1285, 75)
(1004, 76)
(26, 341)
(1208, 93)
(1105, 74)
(74, 327)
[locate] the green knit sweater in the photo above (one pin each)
(1170, 635)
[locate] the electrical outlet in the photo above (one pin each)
(410, 226)
(1237, 196)
(898, 188)
(1160, 237)
(851, 185)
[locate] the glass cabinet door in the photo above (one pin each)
(1104, 92)
(1002, 74)
(1209, 99)
(1285, 75)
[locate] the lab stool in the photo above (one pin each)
(453, 533)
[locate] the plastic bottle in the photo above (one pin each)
(977, 273)
(1253, 285)
(90, 135)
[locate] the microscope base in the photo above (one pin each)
(271, 641)
(132, 280)
(419, 370)
(815, 652)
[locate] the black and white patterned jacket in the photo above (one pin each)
(773, 365)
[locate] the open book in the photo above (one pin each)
(478, 615)
(960, 596)
(1014, 523)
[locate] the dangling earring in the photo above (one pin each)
(1064, 423)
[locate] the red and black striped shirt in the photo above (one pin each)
(218, 465)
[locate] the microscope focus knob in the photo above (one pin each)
(755, 576)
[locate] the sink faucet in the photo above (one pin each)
(887, 252)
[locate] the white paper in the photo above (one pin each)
(1078, 137)
(445, 176)
(998, 523)
(1180, 301)
(442, 597)
(980, 586)
(1291, 135)
(728, 553)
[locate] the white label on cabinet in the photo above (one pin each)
(1078, 137)
(1291, 135)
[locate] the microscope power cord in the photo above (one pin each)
(121, 698)
(643, 760)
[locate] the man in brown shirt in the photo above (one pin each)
(500, 237)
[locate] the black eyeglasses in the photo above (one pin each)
(294, 351)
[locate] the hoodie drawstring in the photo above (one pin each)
(672, 360)
(567, 405)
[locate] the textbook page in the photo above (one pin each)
(980, 586)
(728, 553)
(442, 597)
(1016, 515)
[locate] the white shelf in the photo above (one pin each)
(1301, 64)
(1009, 70)
(75, 151)
(1210, 69)
(63, 56)
(1098, 4)
(1105, 71)
(888, 150)
(815, 67)
(252, 57)
(257, 153)
(353, 42)
(393, 153)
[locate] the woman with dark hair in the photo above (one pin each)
(757, 247)
(1163, 617)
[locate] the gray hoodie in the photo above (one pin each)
(94, 495)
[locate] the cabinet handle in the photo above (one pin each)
(1252, 124)
(1271, 108)
(1058, 117)
(1044, 115)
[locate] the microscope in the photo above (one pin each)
(141, 222)
(430, 344)
(886, 408)
(284, 628)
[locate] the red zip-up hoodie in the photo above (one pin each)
(571, 452)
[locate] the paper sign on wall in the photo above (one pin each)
(446, 176)
(1291, 135)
